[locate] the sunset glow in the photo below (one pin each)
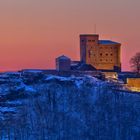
(34, 32)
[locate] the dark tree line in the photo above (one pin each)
(135, 63)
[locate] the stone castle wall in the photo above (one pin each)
(101, 56)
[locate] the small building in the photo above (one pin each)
(134, 84)
(63, 63)
(112, 75)
(123, 76)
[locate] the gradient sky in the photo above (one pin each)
(34, 32)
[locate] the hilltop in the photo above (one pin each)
(41, 106)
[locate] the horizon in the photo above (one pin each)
(33, 38)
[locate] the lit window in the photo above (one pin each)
(91, 52)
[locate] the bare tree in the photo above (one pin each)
(135, 62)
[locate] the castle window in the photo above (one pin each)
(100, 59)
(91, 52)
(106, 60)
(111, 54)
(82, 40)
(101, 54)
(106, 54)
(89, 40)
(93, 40)
(111, 60)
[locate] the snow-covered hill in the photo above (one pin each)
(47, 107)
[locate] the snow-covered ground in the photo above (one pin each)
(48, 107)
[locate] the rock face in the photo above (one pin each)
(72, 108)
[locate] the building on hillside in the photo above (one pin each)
(111, 75)
(101, 54)
(122, 76)
(63, 63)
(134, 84)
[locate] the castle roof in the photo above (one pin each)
(63, 57)
(83, 67)
(89, 35)
(86, 67)
(106, 42)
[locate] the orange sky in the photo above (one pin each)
(34, 32)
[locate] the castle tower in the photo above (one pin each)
(63, 63)
(87, 42)
(101, 54)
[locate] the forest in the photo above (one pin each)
(47, 107)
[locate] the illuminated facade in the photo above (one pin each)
(101, 54)
(134, 84)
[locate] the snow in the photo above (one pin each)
(53, 77)
(7, 109)
(73, 107)
(30, 89)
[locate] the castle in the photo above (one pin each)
(103, 55)
(98, 58)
